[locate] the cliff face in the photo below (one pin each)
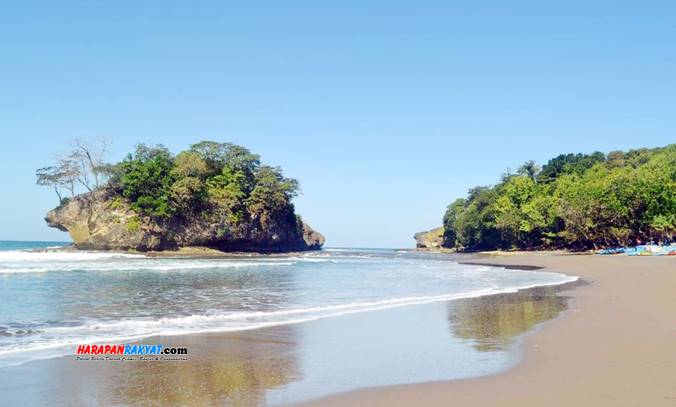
(431, 239)
(99, 221)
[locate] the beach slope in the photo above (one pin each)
(615, 346)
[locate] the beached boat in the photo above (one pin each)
(641, 250)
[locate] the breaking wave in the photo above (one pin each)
(93, 297)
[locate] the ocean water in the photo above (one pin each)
(52, 300)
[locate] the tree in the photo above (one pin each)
(577, 206)
(271, 197)
(615, 159)
(189, 164)
(510, 209)
(217, 155)
(146, 180)
(50, 176)
(187, 194)
(84, 161)
(529, 169)
(63, 175)
(90, 154)
(227, 192)
(69, 173)
(475, 226)
(568, 164)
(453, 211)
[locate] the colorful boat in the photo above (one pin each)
(641, 250)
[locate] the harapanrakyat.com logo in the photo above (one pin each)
(129, 352)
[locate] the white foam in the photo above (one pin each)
(23, 270)
(56, 341)
(314, 259)
(18, 263)
(355, 294)
(202, 266)
(23, 255)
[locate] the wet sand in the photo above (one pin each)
(290, 363)
(615, 346)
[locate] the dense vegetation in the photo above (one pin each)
(575, 201)
(216, 179)
(221, 183)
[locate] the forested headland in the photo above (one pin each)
(574, 201)
(212, 194)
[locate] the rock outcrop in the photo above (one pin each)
(431, 239)
(103, 221)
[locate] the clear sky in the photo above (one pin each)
(385, 111)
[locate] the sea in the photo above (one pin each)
(52, 300)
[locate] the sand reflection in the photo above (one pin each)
(288, 363)
(493, 322)
(233, 369)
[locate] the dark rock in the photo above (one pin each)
(103, 221)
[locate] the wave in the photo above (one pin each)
(23, 270)
(24, 255)
(314, 259)
(63, 337)
(140, 266)
(205, 266)
(25, 261)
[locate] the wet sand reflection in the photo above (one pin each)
(289, 363)
(493, 323)
(236, 369)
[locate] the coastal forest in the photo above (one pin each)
(574, 201)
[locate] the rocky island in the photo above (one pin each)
(215, 195)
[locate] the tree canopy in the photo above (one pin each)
(575, 201)
(217, 181)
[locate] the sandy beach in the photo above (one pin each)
(613, 347)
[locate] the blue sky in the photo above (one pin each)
(385, 111)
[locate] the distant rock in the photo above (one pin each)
(103, 221)
(431, 239)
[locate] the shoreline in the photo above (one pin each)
(616, 327)
(468, 337)
(377, 306)
(613, 346)
(295, 362)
